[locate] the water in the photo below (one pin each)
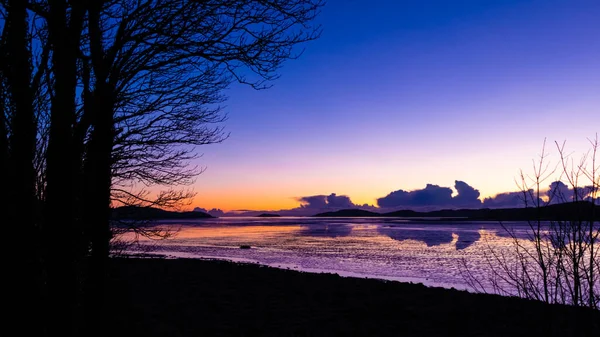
(434, 253)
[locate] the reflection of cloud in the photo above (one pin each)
(515, 231)
(434, 196)
(325, 230)
(467, 238)
(430, 237)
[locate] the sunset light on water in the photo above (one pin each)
(394, 249)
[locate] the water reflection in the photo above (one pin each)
(330, 230)
(557, 233)
(521, 231)
(430, 237)
(356, 246)
(467, 238)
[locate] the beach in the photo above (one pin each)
(193, 297)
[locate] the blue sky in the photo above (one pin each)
(399, 94)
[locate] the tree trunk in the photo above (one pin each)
(98, 179)
(97, 213)
(19, 155)
(3, 127)
(60, 231)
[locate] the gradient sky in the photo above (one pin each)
(398, 94)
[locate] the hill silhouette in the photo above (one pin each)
(349, 213)
(566, 211)
(268, 215)
(152, 213)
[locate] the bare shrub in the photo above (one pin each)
(555, 258)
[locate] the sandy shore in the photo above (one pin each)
(185, 297)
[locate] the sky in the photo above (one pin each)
(396, 95)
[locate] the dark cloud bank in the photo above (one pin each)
(437, 197)
(326, 201)
(432, 197)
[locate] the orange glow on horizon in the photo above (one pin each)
(265, 202)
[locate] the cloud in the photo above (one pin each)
(326, 201)
(467, 196)
(433, 196)
(559, 192)
(214, 212)
(430, 195)
(340, 201)
(314, 201)
(505, 200)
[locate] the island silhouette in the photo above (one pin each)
(268, 215)
(153, 213)
(564, 211)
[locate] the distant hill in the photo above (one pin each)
(565, 211)
(268, 215)
(348, 213)
(151, 213)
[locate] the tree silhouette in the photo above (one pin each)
(555, 261)
(101, 97)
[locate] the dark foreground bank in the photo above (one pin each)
(157, 297)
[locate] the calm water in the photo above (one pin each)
(432, 253)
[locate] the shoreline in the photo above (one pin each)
(411, 280)
(190, 297)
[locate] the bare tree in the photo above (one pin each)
(557, 259)
(101, 99)
(164, 65)
(157, 70)
(170, 63)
